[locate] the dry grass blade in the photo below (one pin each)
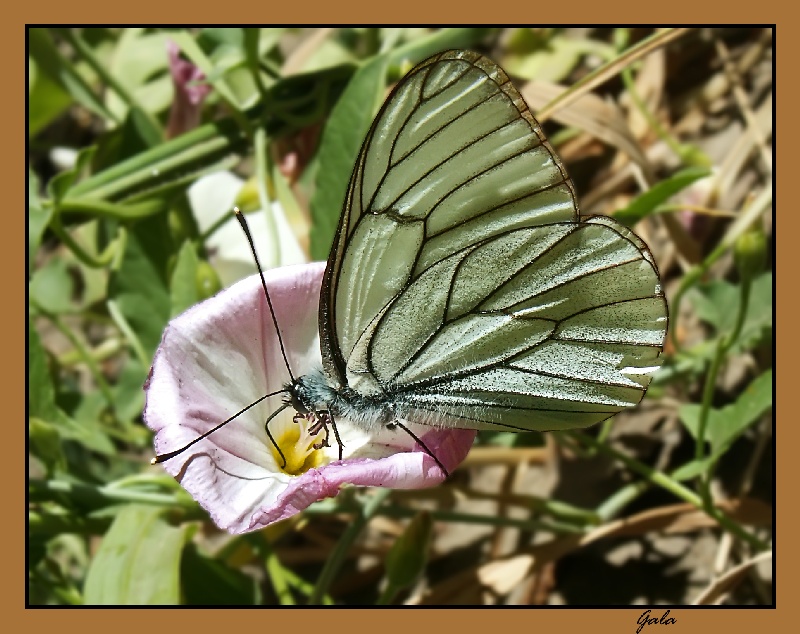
(481, 456)
(717, 590)
(502, 575)
(758, 134)
(590, 113)
(605, 72)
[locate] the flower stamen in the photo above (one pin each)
(299, 445)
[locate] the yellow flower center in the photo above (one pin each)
(297, 446)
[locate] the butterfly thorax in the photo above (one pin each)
(313, 394)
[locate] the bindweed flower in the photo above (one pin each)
(222, 355)
(213, 196)
(190, 92)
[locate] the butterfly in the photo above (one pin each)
(463, 288)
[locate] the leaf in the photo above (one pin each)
(59, 185)
(60, 70)
(46, 99)
(409, 554)
(138, 562)
(208, 581)
(717, 303)
(45, 444)
(128, 392)
(646, 203)
(140, 63)
(51, 287)
(42, 403)
(725, 425)
(692, 469)
(41, 396)
(183, 286)
(226, 37)
(548, 57)
(38, 218)
(292, 210)
(341, 141)
(139, 286)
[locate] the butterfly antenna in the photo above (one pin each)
(269, 433)
(243, 223)
(166, 456)
(423, 445)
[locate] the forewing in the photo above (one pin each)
(454, 157)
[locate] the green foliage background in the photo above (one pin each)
(114, 252)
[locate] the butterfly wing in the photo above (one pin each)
(541, 328)
(462, 282)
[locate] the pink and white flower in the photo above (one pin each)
(190, 92)
(222, 355)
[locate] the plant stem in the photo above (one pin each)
(109, 79)
(339, 554)
(83, 352)
(661, 479)
(100, 496)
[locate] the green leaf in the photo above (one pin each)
(717, 303)
(138, 562)
(41, 396)
(226, 37)
(549, 56)
(725, 425)
(646, 203)
(82, 423)
(169, 165)
(42, 402)
(128, 391)
(339, 147)
(61, 71)
(59, 185)
(38, 218)
(183, 286)
(140, 64)
(45, 444)
(292, 209)
(46, 99)
(692, 469)
(139, 285)
(408, 555)
(51, 287)
(138, 133)
(208, 581)
(420, 48)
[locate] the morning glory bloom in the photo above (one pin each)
(222, 355)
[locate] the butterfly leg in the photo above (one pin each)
(336, 434)
(397, 423)
(321, 420)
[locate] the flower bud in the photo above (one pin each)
(207, 282)
(247, 199)
(750, 253)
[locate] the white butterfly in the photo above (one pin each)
(463, 288)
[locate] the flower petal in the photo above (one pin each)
(414, 469)
(190, 92)
(214, 195)
(224, 354)
(215, 359)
